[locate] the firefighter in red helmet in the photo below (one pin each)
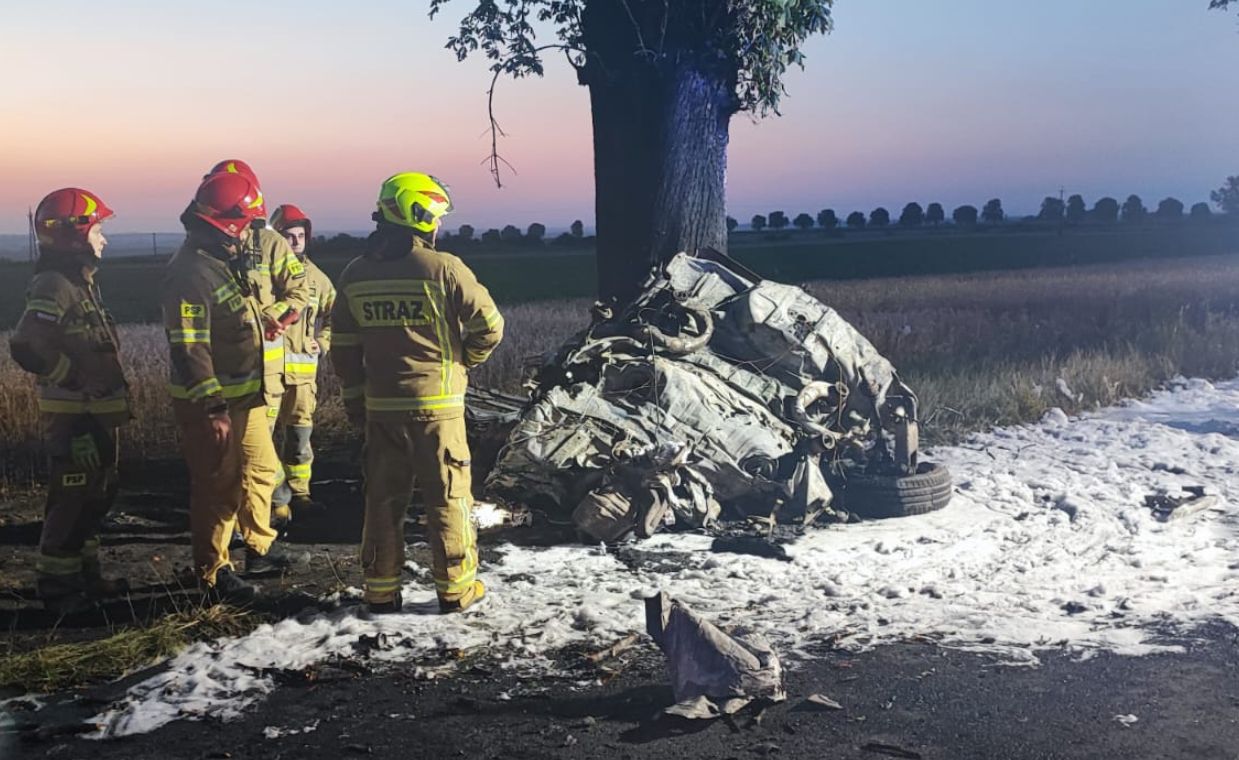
(215, 333)
(279, 283)
(69, 341)
(305, 343)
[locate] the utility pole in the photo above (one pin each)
(1062, 217)
(31, 238)
(154, 248)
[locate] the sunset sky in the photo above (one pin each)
(955, 101)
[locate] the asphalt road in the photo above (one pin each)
(904, 701)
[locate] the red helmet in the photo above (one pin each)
(64, 218)
(287, 216)
(237, 166)
(227, 202)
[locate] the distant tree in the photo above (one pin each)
(1219, 4)
(510, 233)
(1106, 210)
(778, 220)
(536, 232)
(965, 216)
(803, 221)
(826, 219)
(732, 224)
(934, 214)
(758, 222)
(1227, 196)
(1051, 209)
(992, 212)
(491, 236)
(1075, 209)
(465, 233)
(856, 220)
(565, 239)
(1169, 209)
(1133, 210)
(879, 217)
(577, 229)
(1200, 211)
(912, 215)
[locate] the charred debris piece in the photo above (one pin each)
(714, 672)
(714, 395)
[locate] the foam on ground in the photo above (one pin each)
(1047, 545)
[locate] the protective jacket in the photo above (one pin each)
(407, 323)
(69, 341)
(300, 361)
(214, 329)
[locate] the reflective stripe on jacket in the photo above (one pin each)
(69, 341)
(406, 328)
(300, 361)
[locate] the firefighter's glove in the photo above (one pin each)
(84, 451)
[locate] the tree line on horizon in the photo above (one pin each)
(1074, 210)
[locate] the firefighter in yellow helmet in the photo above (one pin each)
(409, 322)
(278, 280)
(215, 331)
(304, 344)
(69, 341)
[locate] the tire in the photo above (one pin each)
(879, 496)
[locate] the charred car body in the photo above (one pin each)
(716, 395)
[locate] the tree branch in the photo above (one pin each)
(494, 159)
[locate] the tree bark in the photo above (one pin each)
(660, 121)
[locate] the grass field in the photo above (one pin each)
(980, 349)
(523, 274)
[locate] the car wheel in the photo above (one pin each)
(877, 496)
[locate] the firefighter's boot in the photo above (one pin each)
(276, 560)
(386, 608)
(465, 601)
(228, 587)
(64, 594)
(96, 585)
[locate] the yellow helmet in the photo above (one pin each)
(414, 200)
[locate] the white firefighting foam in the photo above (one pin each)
(1047, 545)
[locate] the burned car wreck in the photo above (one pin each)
(716, 395)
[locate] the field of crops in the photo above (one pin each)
(980, 349)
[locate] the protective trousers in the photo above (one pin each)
(273, 398)
(79, 495)
(297, 419)
(436, 453)
(229, 487)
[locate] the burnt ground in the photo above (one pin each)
(909, 700)
(904, 701)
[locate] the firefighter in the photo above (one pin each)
(277, 277)
(304, 344)
(215, 333)
(409, 322)
(69, 341)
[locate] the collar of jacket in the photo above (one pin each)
(77, 266)
(209, 246)
(390, 241)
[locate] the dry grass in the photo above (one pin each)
(63, 666)
(981, 350)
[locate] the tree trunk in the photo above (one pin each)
(660, 122)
